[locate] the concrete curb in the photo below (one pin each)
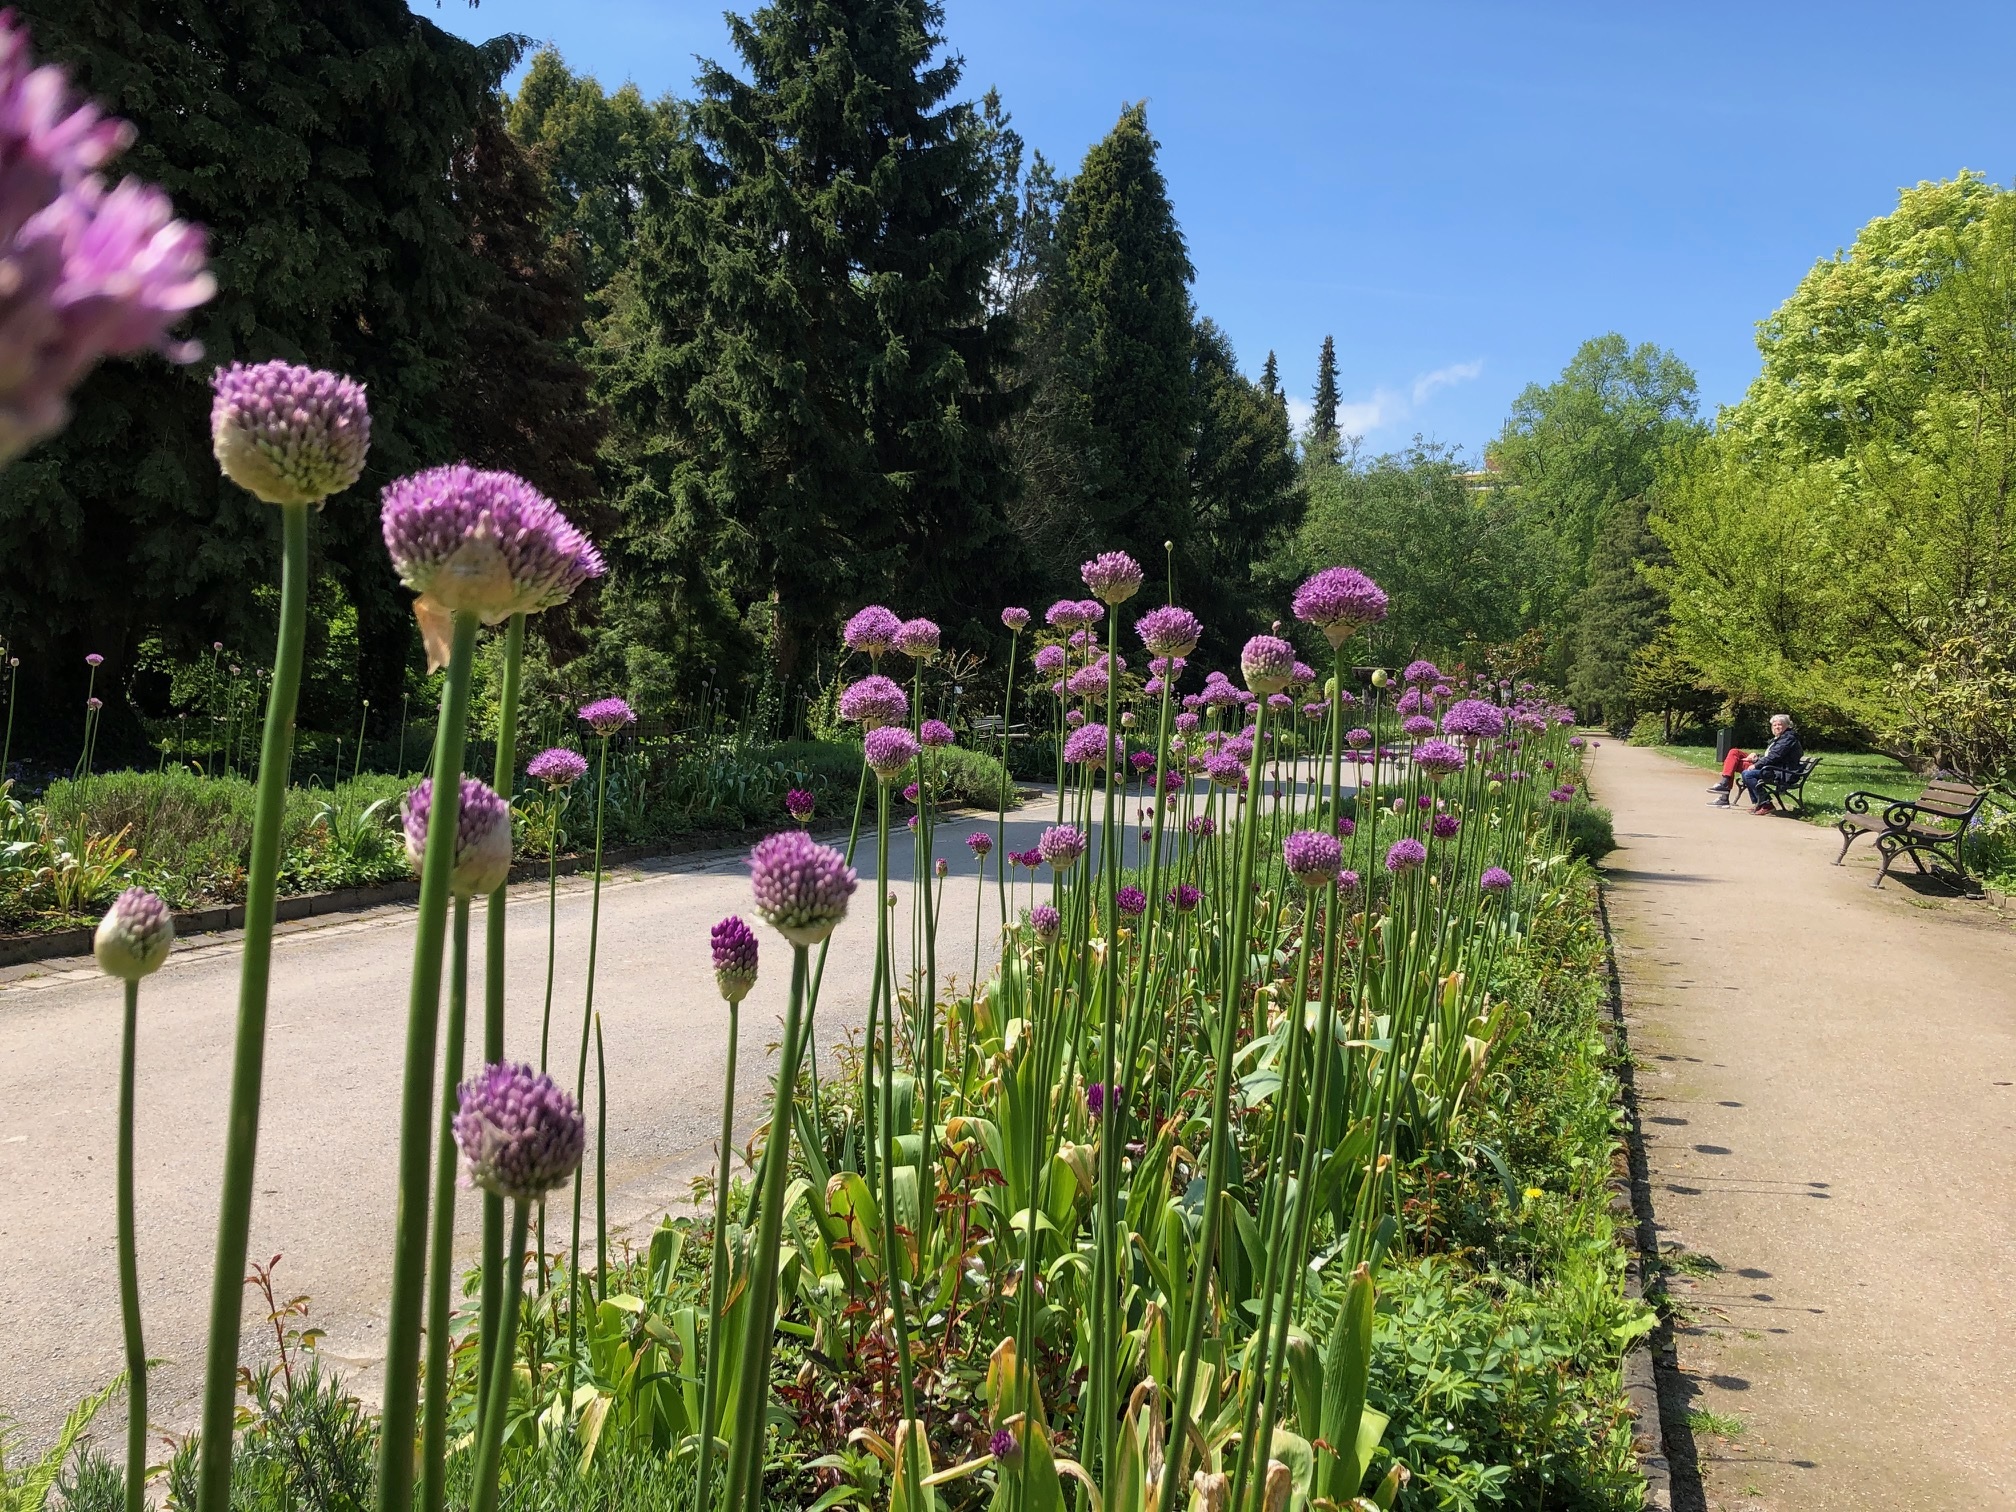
(1662, 1437)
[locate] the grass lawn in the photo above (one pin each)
(1840, 773)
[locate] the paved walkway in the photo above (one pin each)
(1828, 1086)
(328, 1140)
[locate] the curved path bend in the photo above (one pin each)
(1827, 1081)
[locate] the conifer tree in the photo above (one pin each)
(1245, 494)
(1270, 375)
(1323, 440)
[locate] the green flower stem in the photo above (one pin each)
(1001, 809)
(717, 1285)
(546, 1014)
(581, 1078)
(497, 1390)
(892, 1264)
(441, 1261)
(752, 1406)
(7, 741)
(1236, 949)
(504, 780)
(129, 1272)
(423, 1013)
(601, 1168)
(1112, 845)
(248, 1056)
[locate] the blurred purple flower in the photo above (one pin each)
(520, 1134)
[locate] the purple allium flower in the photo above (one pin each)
(941, 865)
(1495, 880)
(1141, 761)
(1091, 611)
(1473, 719)
(557, 767)
(1547, 766)
(482, 836)
(1268, 661)
(487, 543)
(1002, 1445)
(1067, 614)
(799, 803)
(1074, 718)
(1405, 855)
(801, 887)
(734, 958)
(1087, 746)
(286, 434)
(1444, 826)
(135, 936)
(1576, 742)
(1301, 675)
(1169, 631)
(1046, 923)
(1347, 881)
(889, 750)
(918, 639)
(1078, 640)
(935, 732)
(1088, 682)
(1438, 758)
(1424, 802)
(910, 793)
(1113, 576)
(1316, 710)
(1015, 619)
(1184, 898)
(1409, 702)
(1280, 703)
(1338, 600)
(1101, 1097)
(1347, 826)
(1131, 901)
(1187, 721)
(520, 1134)
(1049, 660)
(94, 704)
(874, 701)
(1061, 845)
(608, 716)
(1421, 672)
(93, 659)
(1203, 827)
(872, 631)
(1225, 769)
(1312, 857)
(1415, 726)
(980, 843)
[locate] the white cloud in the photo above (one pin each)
(1360, 417)
(1443, 377)
(1387, 407)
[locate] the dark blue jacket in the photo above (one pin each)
(1782, 757)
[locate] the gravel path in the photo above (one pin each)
(329, 1133)
(1828, 1085)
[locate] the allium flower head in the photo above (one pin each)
(799, 803)
(874, 701)
(1405, 855)
(1203, 826)
(1416, 726)
(557, 767)
(1268, 662)
(1067, 614)
(980, 843)
(1002, 1445)
(485, 543)
(1061, 845)
(608, 716)
(1438, 758)
(1280, 703)
(1100, 1097)
(872, 631)
(1074, 718)
(1301, 675)
(1169, 631)
(1495, 880)
(1088, 682)
(482, 836)
(889, 750)
(520, 1134)
(1444, 826)
(1131, 901)
(1420, 673)
(1473, 719)
(94, 704)
(1338, 600)
(1312, 857)
(1184, 898)
(286, 434)
(1113, 576)
(1225, 769)
(918, 639)
(135, 936)
(734, 958)
(935, 732)
(1046, 923)
(1049, 660)
(1187, 721)
(801, 887)
(1015, 619)
(1087, 746)
(1091, 611)
(93, 659)
(1347, 881)
(910, 793)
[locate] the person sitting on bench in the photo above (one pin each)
(1779, 763)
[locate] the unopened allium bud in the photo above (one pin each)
(135, 936)
(734, 958)
(1046, 923)
(801, 887)
(943, 867)
(520, 1134)
(286, 434)
(482, 837)
(1267, 662)
(94, 660)
(798, 803)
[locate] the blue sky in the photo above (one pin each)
(1460, 193)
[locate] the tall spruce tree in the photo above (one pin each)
(810, 381)
(1245, 491)
(1270, 375)
(1324, 443)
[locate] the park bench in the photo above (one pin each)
(987, 727)
(1789, 788)
(1934, 824)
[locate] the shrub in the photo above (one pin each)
(1590, 835)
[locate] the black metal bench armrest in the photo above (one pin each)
(1859, 802)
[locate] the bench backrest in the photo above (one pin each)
(1956, 800)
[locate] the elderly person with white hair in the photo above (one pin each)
(1780, 762)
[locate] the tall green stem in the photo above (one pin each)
(893, 1254)
(129, 1271)
(717, 1284)
(423, 1014)
(248, 1056)
(490, 1435)
(581, 1076)
(1001, 809)
(441, 1262)
(504, 780)
(601, 1167)
(7, 741)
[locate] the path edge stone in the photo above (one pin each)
(1650, 1367)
